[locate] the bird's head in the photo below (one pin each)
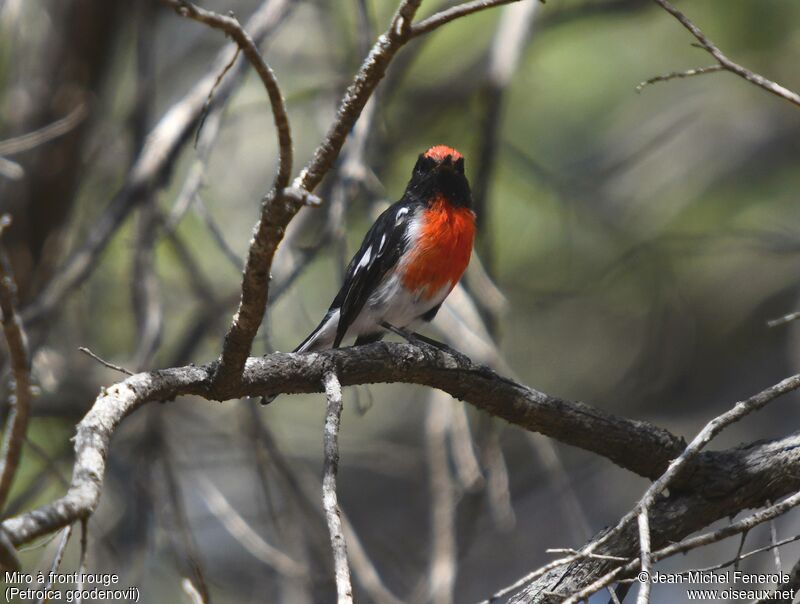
(440, 171)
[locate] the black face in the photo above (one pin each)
(446, 177)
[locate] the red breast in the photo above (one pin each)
(442, 248)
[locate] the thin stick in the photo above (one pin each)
(17, 342)
(673, 75)
(82, 561)
(153, 164)
(646, 562)
(725, 62)
(330, 503)
(714, 427)
(59, 555)
(739, 551)
(234, 30)
(454, 12)
(773, 536)
(28, 141)
(103, 362)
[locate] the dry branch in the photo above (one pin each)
(330, 500)
(723, 61)
(616, 540)
(731, 479)
(155, 161)
(17, 343)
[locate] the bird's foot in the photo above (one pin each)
(412, 337)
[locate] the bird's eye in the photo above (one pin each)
(460, 165)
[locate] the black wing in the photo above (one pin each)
(380, 251)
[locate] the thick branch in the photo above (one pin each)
(722, 482)
(278, 209)
(232, 27)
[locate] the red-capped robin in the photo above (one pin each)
(410, 259)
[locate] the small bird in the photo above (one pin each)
(410, 259)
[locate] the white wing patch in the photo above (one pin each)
(383, 240)
(400, 213)
(364, 260)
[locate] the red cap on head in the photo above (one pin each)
(439, 152)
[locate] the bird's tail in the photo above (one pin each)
(322, 338)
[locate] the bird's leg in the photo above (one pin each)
(419, 340)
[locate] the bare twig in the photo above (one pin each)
(103, 362)
(278, 210)
(645, 560)
(244, 533)
(145, 286)
(191, 591)
(791, 586)
(28, 141)
(677, 75)
(333, 393)
(82, 559)
(177, 507)
(467, 468)
(788, 318)
(724, 62)
(681, 547)
(714, 427)
(154, 163)
(635, 445)
(216, 233)
(443, 550)
(266, 234)
(148, 310)
(773, 539)
(454, 12)
(234, 30)
(745, 524)
(572, 551)
(305, 493)
(17, 421)
(59, 555)
(754, 479)
(709, 431)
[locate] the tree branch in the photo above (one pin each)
(17, 421)
(614, 541)
(279, 209)
(330, 500)
(232, 28)
(724, 62)
(154, 162)
(717, 483)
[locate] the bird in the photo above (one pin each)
(410, 260)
